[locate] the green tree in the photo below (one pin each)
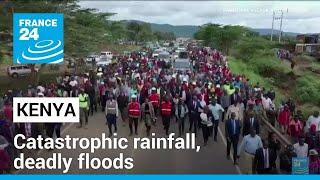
(219, 36)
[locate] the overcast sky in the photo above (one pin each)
(302, 17)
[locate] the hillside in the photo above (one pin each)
(189, 30)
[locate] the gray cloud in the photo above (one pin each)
(301, 17)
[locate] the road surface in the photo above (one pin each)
(211, 159)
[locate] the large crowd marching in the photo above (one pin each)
(139, 88)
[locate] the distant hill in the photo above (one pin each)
(179, 31)
(189, 30)
(268, 32)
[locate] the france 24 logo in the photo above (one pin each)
(38, 38)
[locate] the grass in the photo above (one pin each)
(22, 83)
(239, 67)
(307, 89)
(6, 61)
(303, 89)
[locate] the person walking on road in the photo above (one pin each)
(122, 103)
(181, 110)
(112, 113)
(232, 130)
(154, 98)
(234, 108)
(194, 114)
(92, 96)
(250, 143)
(84, 108)
(134, 113)
(250, 121)
(301, 148)
(314, 162)
(286, 159)
(166, 112)
(264, 159)
(147, 114)
(206, 123)
(216, 110)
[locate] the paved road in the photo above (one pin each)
(210, 159)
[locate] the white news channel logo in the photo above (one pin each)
(46, 110)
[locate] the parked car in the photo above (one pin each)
(106, 54)
(19, 70)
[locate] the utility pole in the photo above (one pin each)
(272, 26)
(280, 33)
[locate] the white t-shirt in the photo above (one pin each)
(266, 103)
(205, 120)
(313, 120)
(301, 151)
(41, 89)
(73, 83)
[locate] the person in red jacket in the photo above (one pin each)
(154, 98)
(134, 112)
(166, 111)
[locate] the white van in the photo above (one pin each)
(106, 54)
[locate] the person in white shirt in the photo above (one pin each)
(206, 123)
(250, 143)
(73, 82)
(314, 119)
(266, 102)
(301, 148)
(216, 110)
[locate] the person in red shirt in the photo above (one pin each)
(134, 112)
(154, 98)
(283, 118)
(295, 128)
(166, 111)
(8, 111)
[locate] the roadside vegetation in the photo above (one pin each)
(255, 57)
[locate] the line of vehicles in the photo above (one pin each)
(176, 57)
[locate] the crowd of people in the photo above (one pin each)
(140, 88)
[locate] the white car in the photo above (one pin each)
(20, 70)
(104, 61)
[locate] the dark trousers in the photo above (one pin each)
(148, 129)
(193, 119)
(181, 125)
(93, 105)
(156, 111)
(111, 120)
(264, 171)
(234, 139)
(205, 133)
(57, 129)
(52, 128)
(215, 129)
(49, 129)
(166, 123)
(103, 102)
(135, 122)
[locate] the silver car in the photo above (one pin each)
(19, 70)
